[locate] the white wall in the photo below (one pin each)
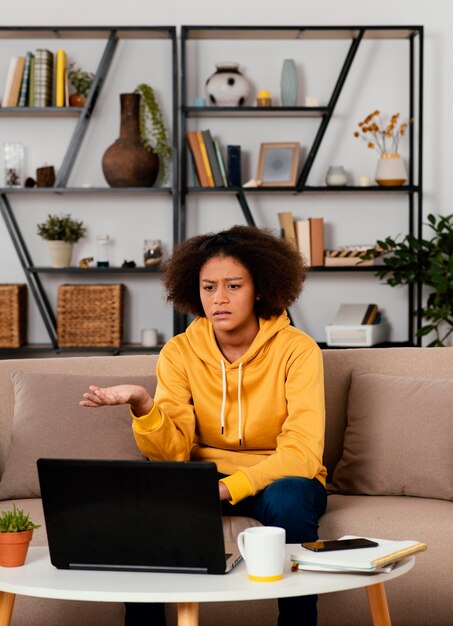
(378, 80)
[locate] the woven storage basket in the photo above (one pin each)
(13, 315)
(90, 316)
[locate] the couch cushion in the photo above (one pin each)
(48, 422)
(398, 439)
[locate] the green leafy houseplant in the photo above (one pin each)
(80, 80)
(153, 132)
(16, 521)
(428, 262)
(57, 228)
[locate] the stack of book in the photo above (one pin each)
(207, 159)
(307, 234)
(37, 80)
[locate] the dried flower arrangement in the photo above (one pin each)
(386, 137)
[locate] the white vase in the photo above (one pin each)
(336, 176)
(227, 86)
(60, 253)
(391, 171)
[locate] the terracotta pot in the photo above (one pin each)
(14, 548)
(127, 163)
(76, 100)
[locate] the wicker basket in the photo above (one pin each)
(13, 315)
(90, 316)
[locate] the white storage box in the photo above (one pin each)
(357, 335)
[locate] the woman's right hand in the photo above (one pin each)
(139, 399)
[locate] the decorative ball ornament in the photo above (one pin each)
(227, 86)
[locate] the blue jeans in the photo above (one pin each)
(293, 503)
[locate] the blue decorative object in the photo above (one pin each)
(289, 83)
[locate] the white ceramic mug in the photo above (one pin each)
(263, 550)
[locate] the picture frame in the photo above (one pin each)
(278, 163)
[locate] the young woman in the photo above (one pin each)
(241, 387)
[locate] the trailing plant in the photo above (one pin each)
(80, 80)
(428, 262)
(57, 228)
(16, 521)
(153, 132)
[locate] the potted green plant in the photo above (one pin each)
(81, 81)
(16, 531)
(427, 262)
(153, 132)
(61, 232)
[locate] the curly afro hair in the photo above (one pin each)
(276, 266)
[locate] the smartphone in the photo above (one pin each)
(339, 544)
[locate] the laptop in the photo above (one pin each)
(153, 516)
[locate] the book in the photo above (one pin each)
(31, 82)
(43, 78)
(360, 560)
(13, 81)
(234, 165)
(194, 147)
(286, 222)
(25, 84)
(303, 239)
(221, 162)
(60, 78)
(317, 240)
(355, 314)
(204, 156)
(212, 156)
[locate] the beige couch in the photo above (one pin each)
(398, 441)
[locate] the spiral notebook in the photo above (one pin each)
(375, 559)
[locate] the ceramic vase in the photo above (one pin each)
(60, 253)
(289, 83)
(391, 171)
(127, 163)
(227, 86)
(336, 176)
(14, 548)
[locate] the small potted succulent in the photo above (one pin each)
(61, 233)
(16, 531)
(81, 81)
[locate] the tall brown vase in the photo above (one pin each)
(127, 163)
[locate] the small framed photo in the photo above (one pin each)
(277, 165)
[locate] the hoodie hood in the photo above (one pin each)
(201, 337)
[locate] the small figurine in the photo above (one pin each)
(85, 263)
(129, 264)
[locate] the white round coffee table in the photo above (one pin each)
(39, 578)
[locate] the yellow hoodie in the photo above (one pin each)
(259, 419)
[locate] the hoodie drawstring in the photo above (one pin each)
(224, 390)
(239, 404)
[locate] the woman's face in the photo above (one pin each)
(228, 295)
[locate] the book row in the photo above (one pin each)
(208, 161)
(37, 79)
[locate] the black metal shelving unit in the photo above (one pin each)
(111, 35)
(355, 34)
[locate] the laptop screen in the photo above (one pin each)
(137, 515)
